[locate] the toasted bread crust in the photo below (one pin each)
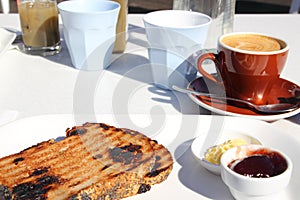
(94, 161)
(163, 162)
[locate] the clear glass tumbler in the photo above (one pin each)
(40, 28)
(221, 11)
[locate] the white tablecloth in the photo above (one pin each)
(33, 85)
(35, 90)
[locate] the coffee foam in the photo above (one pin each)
(252, 42)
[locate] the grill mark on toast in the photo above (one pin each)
(36, 159)
(78, 172)
(17, 160)
(156, 172)
(116, 171)
(105, 167)
(38, 172)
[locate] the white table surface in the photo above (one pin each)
(32, 86)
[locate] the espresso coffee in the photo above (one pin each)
(252, 42)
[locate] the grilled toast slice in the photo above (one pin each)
(163, 161)
(94, 161)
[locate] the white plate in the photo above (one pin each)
(6, 39)
(188, 179)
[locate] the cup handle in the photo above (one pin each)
(210, 56)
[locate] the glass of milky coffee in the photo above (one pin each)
(40, 29)
(247, 64)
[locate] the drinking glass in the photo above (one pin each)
(89, 31)
(40, 29)
(222, 14)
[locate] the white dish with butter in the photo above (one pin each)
(224, 136)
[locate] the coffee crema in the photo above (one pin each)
(252, 42)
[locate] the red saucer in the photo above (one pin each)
(282, 89)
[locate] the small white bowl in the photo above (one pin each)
(225, 135)
(250, 188)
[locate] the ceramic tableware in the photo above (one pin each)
(173, 36)
(256, 172)
(225, 135)
(280, 90)
(89, 31)
(247, 64)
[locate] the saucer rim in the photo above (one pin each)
(256, 116)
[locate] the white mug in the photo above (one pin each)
(173, 36)
(89, 31)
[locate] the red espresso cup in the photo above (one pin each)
(247, 65)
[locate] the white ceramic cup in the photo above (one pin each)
(173, 36)
(89, 31)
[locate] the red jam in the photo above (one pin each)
(260, 164)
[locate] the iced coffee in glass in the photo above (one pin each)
(40, 29)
